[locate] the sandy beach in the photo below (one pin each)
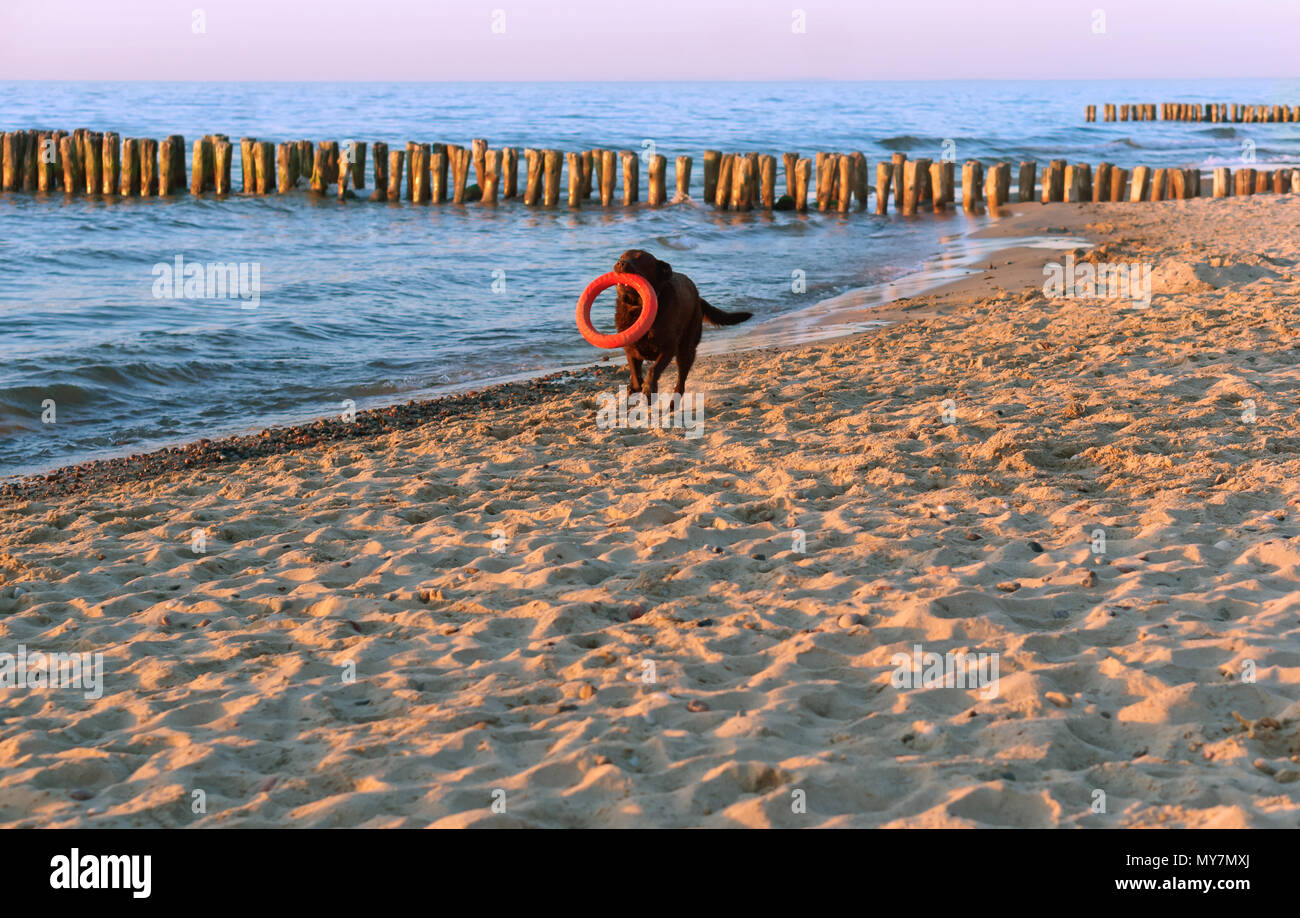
(491, 611)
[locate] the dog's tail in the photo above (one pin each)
(715, 316)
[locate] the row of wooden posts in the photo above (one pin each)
(1195, 111)
(94, 163)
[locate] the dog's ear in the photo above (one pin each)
(664, 268)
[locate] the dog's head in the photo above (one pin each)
(636, 261)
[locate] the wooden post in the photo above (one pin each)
(11, 163)
(1073, 184)
(936, 182)
(1281, 181)
(754, 168)
(478, 149)
(925, 191)
(861, 181)
(608, 169)
(264, 153)
(111, 171)
(31, 160)
(552, 172)
(802, 173)
(357, 157)
(898, 159)
(1140, 188)
(825, 166)
(1263, 182)
(1029, 176)
(1118, 181)
(148, 167)
(740, 184)
(130, 184)
(283, 169)
(533, 163)
(884, 178)
(631, 177)
(94, 165)
(319, 170)
(1158, 184)
(1222, 182)
(911, 187)
(682, 171)
(722, 194)
(247, 168)
(419, 175)
(712, 165)
(381, 172)
(68, 150)
(491, 177)
(459, 160)
(396, 159)
(1101, 187)
(656, 179)
(1054, 182)
(222, 153)
(971, 173)
(439, 170)
(767, 181)
(176, 143)
(587, 163)
(991, 191)
(574, 163)
(790, 161)
(510, 167)
(844, 183)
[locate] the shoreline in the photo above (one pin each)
(793, 329)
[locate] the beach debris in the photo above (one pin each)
(1035, 547)
(695, 706)
(1009, 586)
(80, 793)
(1060, 699)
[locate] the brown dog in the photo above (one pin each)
(678, 322)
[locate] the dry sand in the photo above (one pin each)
(504, 583)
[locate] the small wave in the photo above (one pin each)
(906, 142)
(1219, 132)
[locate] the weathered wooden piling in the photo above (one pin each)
(552, 172)
(1101, 187)
(898, 159)
(130, 183)
(884, 179)
(111, 167)
(656, 180)
(247, 168)
(396, 161)
(357, 160)
(418, 175)
(533, 166)
(1118, 183)
(1140, 187)
(844, 182)
(510, 169)
(176, 152)
(722, 195)
(712, 165)
(608, 175)
(223, 153)
(491, 186)
(283, 167)
(1054, 182)
(631, 177)
(789, 161)
(861, 181)
(911, 187)
(478, 151)
(972, 174)
(68, 150)
(1263, 182)
(573, 160)
(30, 161)
(802, 174)
(148, 167)
(682, 173)
(740, 184)
(94, 163)
(1159, 184)
(12, 164)
(1073, 181)
(753, 178)
(1222, 182)
(459, 161)
(925, 191)
(439, 172)
(1028, 178)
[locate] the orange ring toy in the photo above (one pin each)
(649, 306)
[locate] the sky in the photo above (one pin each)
(493, 40)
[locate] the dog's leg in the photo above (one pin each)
(685, 360)
(634, 365)
(652, 379)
